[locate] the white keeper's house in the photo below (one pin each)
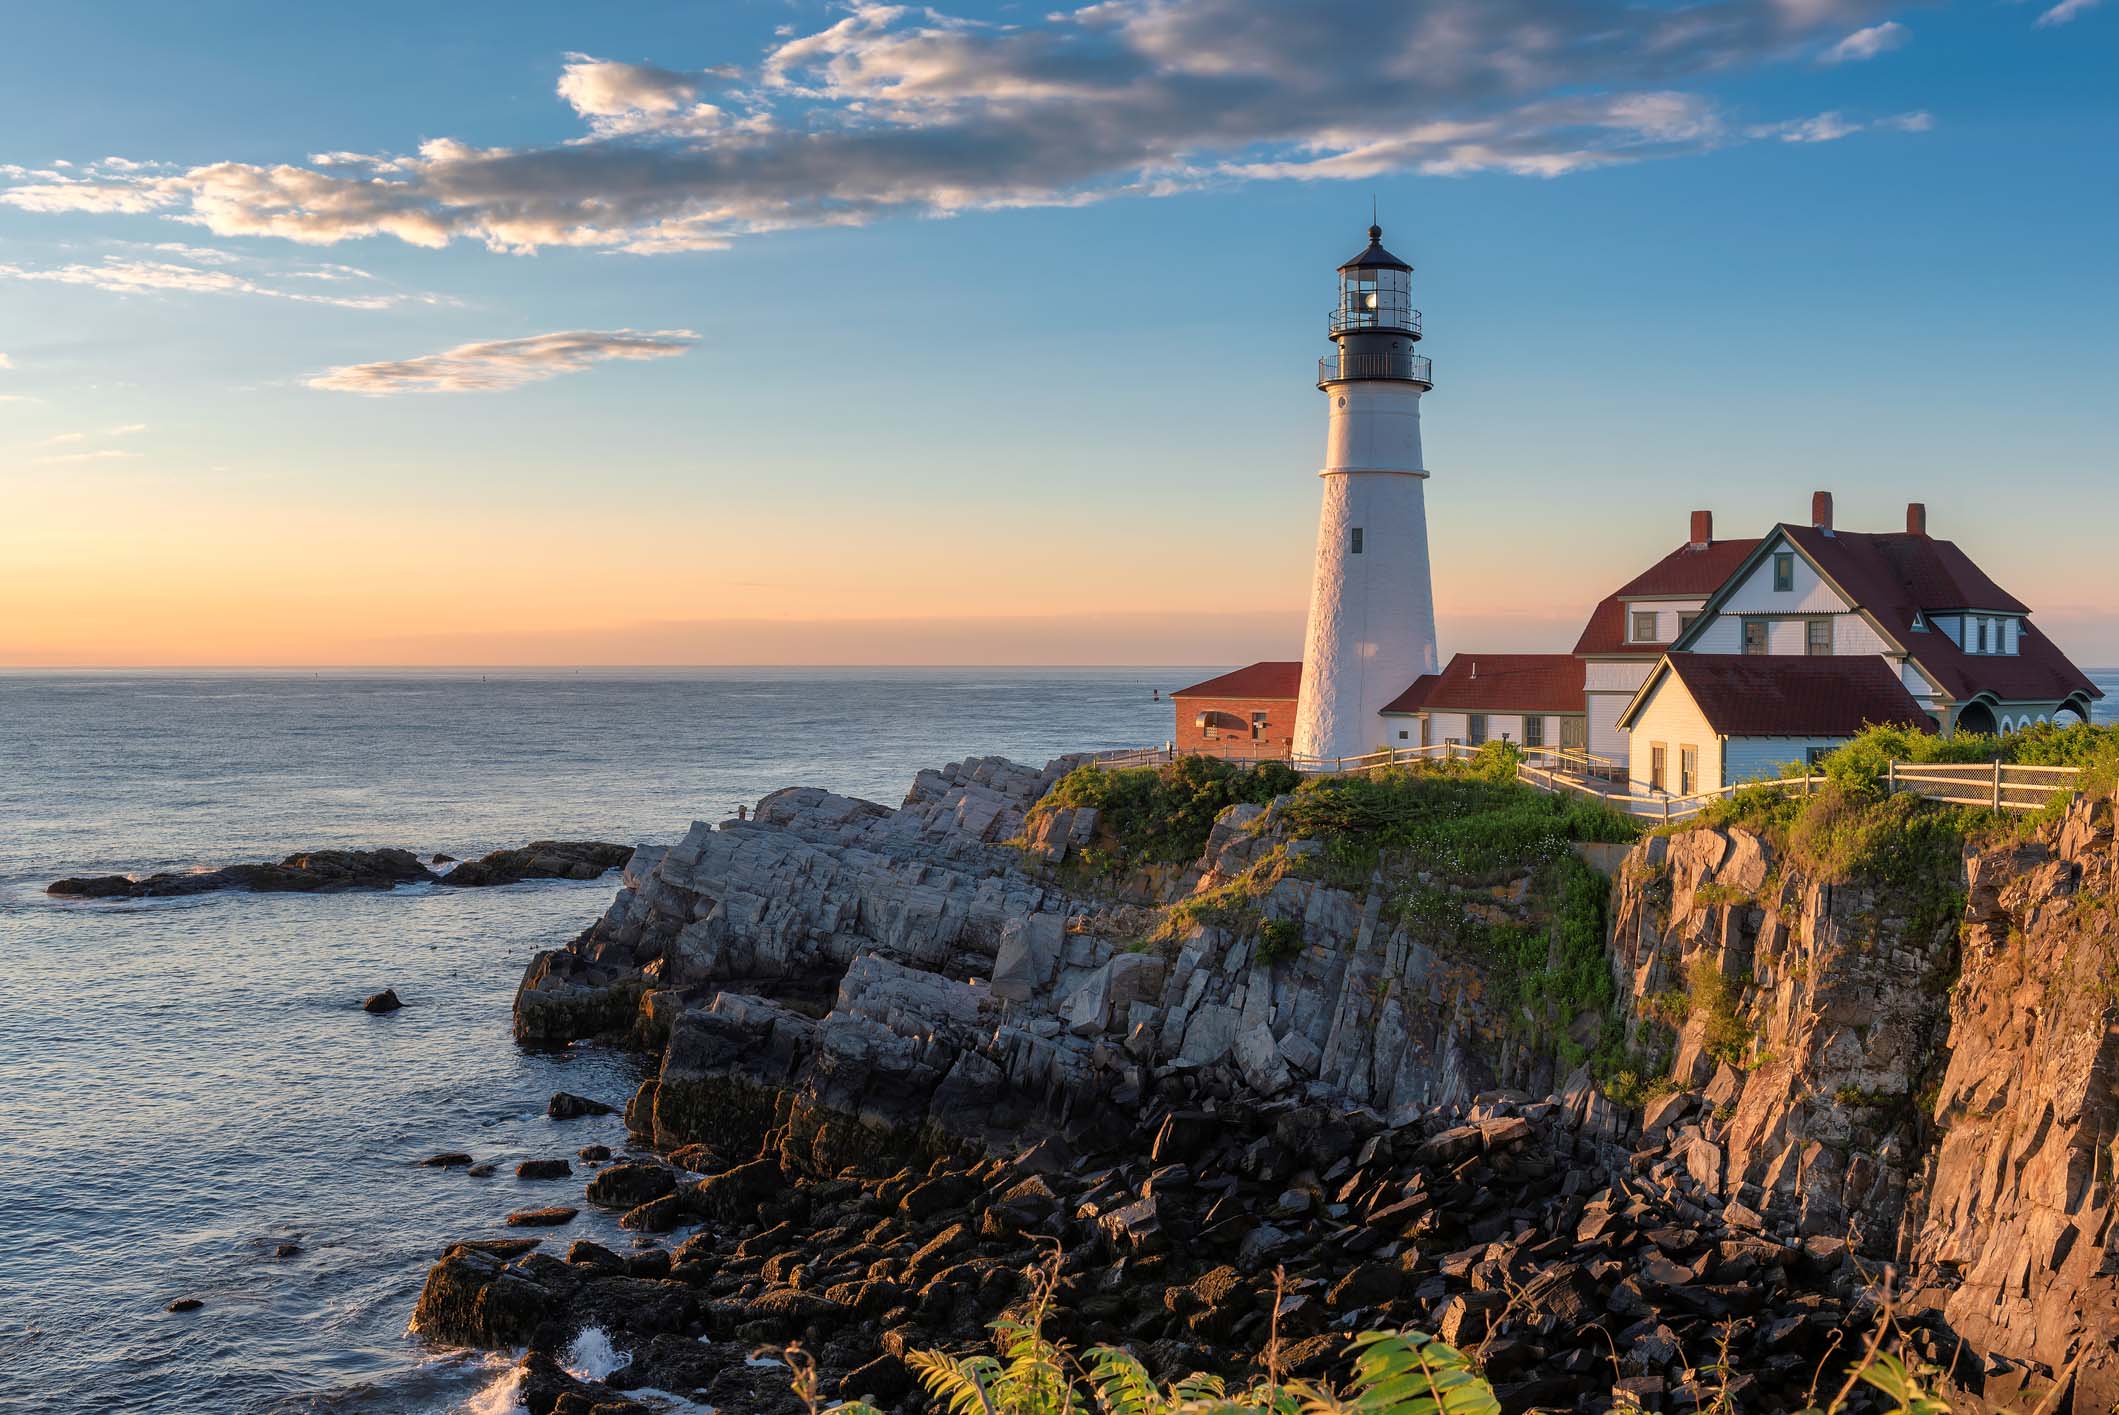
(1717, 664)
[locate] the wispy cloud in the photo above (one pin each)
(899, 109)
(1867, 43)
(1831, 127)
(2067, 10)
(62, 437)
(504, 363)
(125, 430)
(125, 276)
(6, 362)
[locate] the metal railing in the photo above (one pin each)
(1355, 321)
(2001, 786)
(1406, 368)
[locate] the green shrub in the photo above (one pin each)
(1163, 815)
(1278, 939)
(1711, 996)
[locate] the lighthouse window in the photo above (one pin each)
(1354, 545)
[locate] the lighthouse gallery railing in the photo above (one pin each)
(1406, 368)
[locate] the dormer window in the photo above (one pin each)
(1644, 626)
(1920, 623)
(1983, 635)
(1784, 570)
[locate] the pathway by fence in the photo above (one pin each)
(2001, 786)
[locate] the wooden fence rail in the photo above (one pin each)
(1565, 771)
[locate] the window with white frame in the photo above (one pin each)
(1644, 626)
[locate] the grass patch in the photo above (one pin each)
(1162, 815)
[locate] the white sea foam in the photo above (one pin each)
(593, 1358)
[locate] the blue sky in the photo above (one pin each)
(983, 333)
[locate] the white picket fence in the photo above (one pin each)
(2001, 786)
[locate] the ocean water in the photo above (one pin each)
(190, 1083)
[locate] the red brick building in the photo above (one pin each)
(1248, 713)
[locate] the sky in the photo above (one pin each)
(767, 331)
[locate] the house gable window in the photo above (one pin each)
(1755, 636)
(1688, 770)
(1784, 570)
(1658, 756)
(1644, 626)
(1817, 638)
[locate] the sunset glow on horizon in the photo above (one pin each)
(628, 342)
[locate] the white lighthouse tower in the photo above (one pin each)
(1372, 603)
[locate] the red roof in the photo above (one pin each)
(1686, 571)
(1897, 577)
(1787, 695)
(1270, 679)
(1497, 682)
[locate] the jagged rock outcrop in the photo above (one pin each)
(896, 979)
(2018, 1239)
(1824, 1002)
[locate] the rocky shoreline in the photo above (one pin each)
(331, 871)
(905, 1054)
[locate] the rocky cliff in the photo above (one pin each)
(1879, 1058)
(1917, 1054)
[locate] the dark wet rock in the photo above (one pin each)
(543, 1169)
(594, 1154)
(312, 871)
(385, 1001)
(441, 859)
(287, 1250)
(565, 1105)
(540, 859)
(185, 1304)
(482, 1171)
(883, 1379)
(446, 1159)
(655, 1216)
(475, 1297)
(627, 1186)
(542, 1218)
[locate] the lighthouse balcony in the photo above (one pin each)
(1401, 368)
(1389, 318)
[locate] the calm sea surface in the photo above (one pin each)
(188, 1084)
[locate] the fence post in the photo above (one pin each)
(1997, 783)
(1666, 810)
(1891, 778)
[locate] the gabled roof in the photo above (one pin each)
(1785, 695)
(1897, 577)
(1688, 570)
(1269, 679)
(1497, 682)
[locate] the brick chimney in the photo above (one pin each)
(1821, 511)
(1702, 529)
(1916, 518)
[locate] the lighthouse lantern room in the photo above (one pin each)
(1372, 608)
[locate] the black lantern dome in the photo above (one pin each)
(1375, 324)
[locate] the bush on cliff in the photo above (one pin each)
(1163, 815)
